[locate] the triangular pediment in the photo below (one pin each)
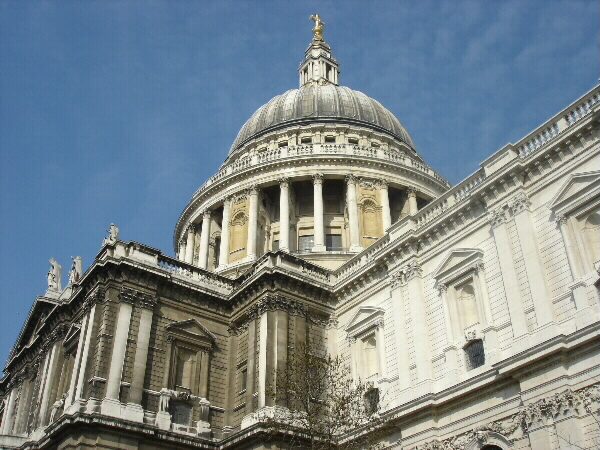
(191, 328)
(456, 260)
(364, 318)
(72, 332)
(578, 186)
(36, 317)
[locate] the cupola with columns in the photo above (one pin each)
(321, 172)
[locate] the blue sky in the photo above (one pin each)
(116, 111)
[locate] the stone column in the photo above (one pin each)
(450, 350)
(284, 214)
(141, 357)
(385, 205)
(85, 355)
(111, 404)
(224, 250)
(252, 223)
(204, 373)
(251, 364)
(189, 247)
(352, 213)
(380, 342)
(412, 201)
(182, 245)
(319, 228)
(534, 266)
(78, 358)
(204, 238)
(281, 352)
(570, 246)
(51, 374)
(419, 324)
(9, 413)
(400, 328)
(577, 271)
(497, 220)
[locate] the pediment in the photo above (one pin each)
(577, 189)
(364, 318)
(456, 261)
(72, 332)
(36, 317)
(191, 329)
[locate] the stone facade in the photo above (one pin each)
(473, 309)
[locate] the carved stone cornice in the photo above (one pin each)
(519, 203)
(137, 298)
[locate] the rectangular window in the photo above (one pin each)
(329, 139)
(283, 144)
(275, 245)
(306, 140)
(333, 242)
(353, 141)
(306, 243)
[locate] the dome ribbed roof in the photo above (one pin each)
(328, 103)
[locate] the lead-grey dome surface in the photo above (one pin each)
(329, 103)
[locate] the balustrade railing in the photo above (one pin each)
(582, 109)
(464, 189)
(182, 269)
(395, 156)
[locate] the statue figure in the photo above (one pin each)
(57, 406)
(75, 272)
(318, 28)
(54, 276)
(113, 235)
(165, 397)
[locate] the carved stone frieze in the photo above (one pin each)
(522, 420)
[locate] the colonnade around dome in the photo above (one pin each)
(325, 219)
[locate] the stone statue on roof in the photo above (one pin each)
(113, 235)
(53, 276)
(75, 272)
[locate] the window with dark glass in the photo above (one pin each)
(283, 144)
(372, 400)
(243, 379)
(333, 242)
(329, 139)
(353, 141)
(306, 140)
(306, 243)
(475, 354)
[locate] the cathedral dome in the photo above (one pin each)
(321, 103)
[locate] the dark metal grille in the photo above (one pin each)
(475, 354)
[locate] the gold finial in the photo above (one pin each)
(318, 28)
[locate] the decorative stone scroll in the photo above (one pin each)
(135, 297)
(506, 428)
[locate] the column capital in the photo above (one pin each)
(284, 182)
(398, 278)
(560, 219)
(351, 179)
(442, 288)
(317, 178)
(519, 204)
(253, 190)
(382, 184)
(496, 217)
(206, 213)
(413, 270)
(411, 191)
(135, 297)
